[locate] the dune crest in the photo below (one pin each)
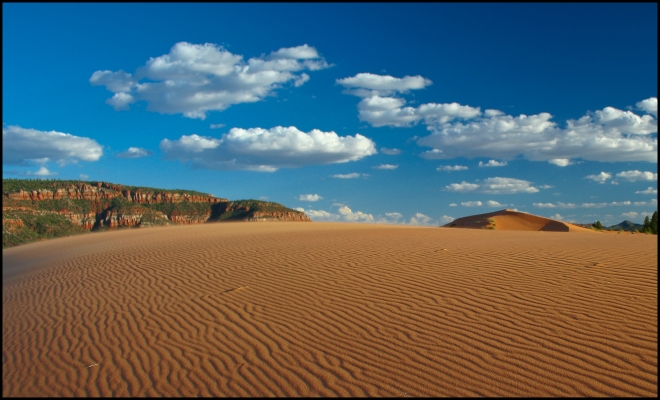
(510, 220)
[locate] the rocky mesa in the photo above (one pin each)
(38, 209)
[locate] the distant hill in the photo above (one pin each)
(37, 209)
(626, 226)
(510, 220)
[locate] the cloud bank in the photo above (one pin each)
(459, 130)
(193, 79)
(267, 150)
(495, 185)
(22, 146)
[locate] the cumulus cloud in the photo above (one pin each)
(489, 203)
(649, 105)
(557, 216)
(387, 166)
(650, 190)
(22, 146)
(604, 135)
(134, 152)
(495, 185)
(493, 203)
(630, 215)
(217, 126)
(193, 79)
(451, 168)
(43, 171)
(368, 85)
(319, 215)
(445, 219)
(459, 130)
(267, 149)
(349, 215)
(420, 219)
(561, 162)
(600, 178)
(390, 152)
(378, 107)
(309, 197)
(352, 175)
(492, 163)
(588, 205)
(635, 175)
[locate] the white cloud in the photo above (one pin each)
(347, 176)
(462, 187)
(389, 111)
(387, 166)
(420, 219)
(453, 205)
(267, 149)
(390, 152)
(309, 197)
(493, 203)
(630, 215)
(495, 185)
(649, 105)
(451, 168)
(378, 108)
(445, 219)
(193, 79)
(635, 175)
(84, 176)
(605, 135)
(349, 215)
(367, 85)
(43, 171)
(650, 190)
(395, 216)
(134, 152)
(544, 205)
(561, 162)
(557, 216)
(653, 202)
(600, 178)
(21, 146)
(121, 101)
(545, 187)
(489, 203)
(319, 215)
(492, 163)
(588, 205)
(217, 126)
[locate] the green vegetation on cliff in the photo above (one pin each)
(14, 185)
(29, 217)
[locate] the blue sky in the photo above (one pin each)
(395, 113)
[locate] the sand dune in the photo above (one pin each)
(323, 309)
(509, 220)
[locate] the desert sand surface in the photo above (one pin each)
(331, 309)
(509, 220)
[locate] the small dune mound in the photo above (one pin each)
(509, 220)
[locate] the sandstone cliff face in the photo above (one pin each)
(97, 205)
(107, 191)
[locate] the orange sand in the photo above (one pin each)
(508, 220)
(330, 309)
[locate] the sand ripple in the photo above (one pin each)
(322, 309)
